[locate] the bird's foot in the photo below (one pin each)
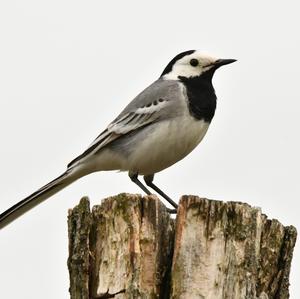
(172, 211)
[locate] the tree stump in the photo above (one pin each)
(130, 247)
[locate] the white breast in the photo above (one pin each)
(167, 143)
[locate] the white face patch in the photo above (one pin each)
(183, 66)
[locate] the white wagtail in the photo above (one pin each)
(163, 124)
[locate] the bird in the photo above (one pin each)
(158, 128)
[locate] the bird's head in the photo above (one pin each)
(191, 64)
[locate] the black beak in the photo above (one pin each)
(221, 62)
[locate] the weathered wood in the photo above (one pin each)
(125, 248)
(130, 246)
(229, 250)
(79, 224)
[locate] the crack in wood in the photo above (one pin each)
(107, 295)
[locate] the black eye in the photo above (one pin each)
(194, 62)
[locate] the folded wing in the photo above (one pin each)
(146, 108)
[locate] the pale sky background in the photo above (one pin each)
(67, 68)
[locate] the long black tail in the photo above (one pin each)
(37, 197)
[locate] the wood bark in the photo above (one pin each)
(130, 247)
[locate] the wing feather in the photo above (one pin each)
(127, 123)
(148, 107)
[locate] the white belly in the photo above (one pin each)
(152, 149)
(168, 143)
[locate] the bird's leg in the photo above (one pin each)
(149, 182)
(134, 178)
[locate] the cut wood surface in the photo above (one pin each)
(130, 247)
